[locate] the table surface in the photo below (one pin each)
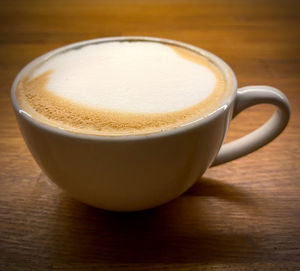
(243, 215)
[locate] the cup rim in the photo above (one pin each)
(224, 67)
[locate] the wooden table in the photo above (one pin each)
(244, 215)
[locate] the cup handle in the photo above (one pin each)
(246, 97)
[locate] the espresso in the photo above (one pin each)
(122, 88)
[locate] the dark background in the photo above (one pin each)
(244, 215)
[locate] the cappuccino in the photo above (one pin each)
(122, 88)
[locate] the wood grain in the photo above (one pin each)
(244, 215)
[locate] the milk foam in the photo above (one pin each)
(122, 88)
(139, 77)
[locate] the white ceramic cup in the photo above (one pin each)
(136, 172)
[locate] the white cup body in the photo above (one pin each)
(127, 173)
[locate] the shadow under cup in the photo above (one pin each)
(132, 172)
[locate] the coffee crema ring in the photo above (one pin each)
(46, 106)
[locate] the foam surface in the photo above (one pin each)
(141, 77)
(122, 88)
